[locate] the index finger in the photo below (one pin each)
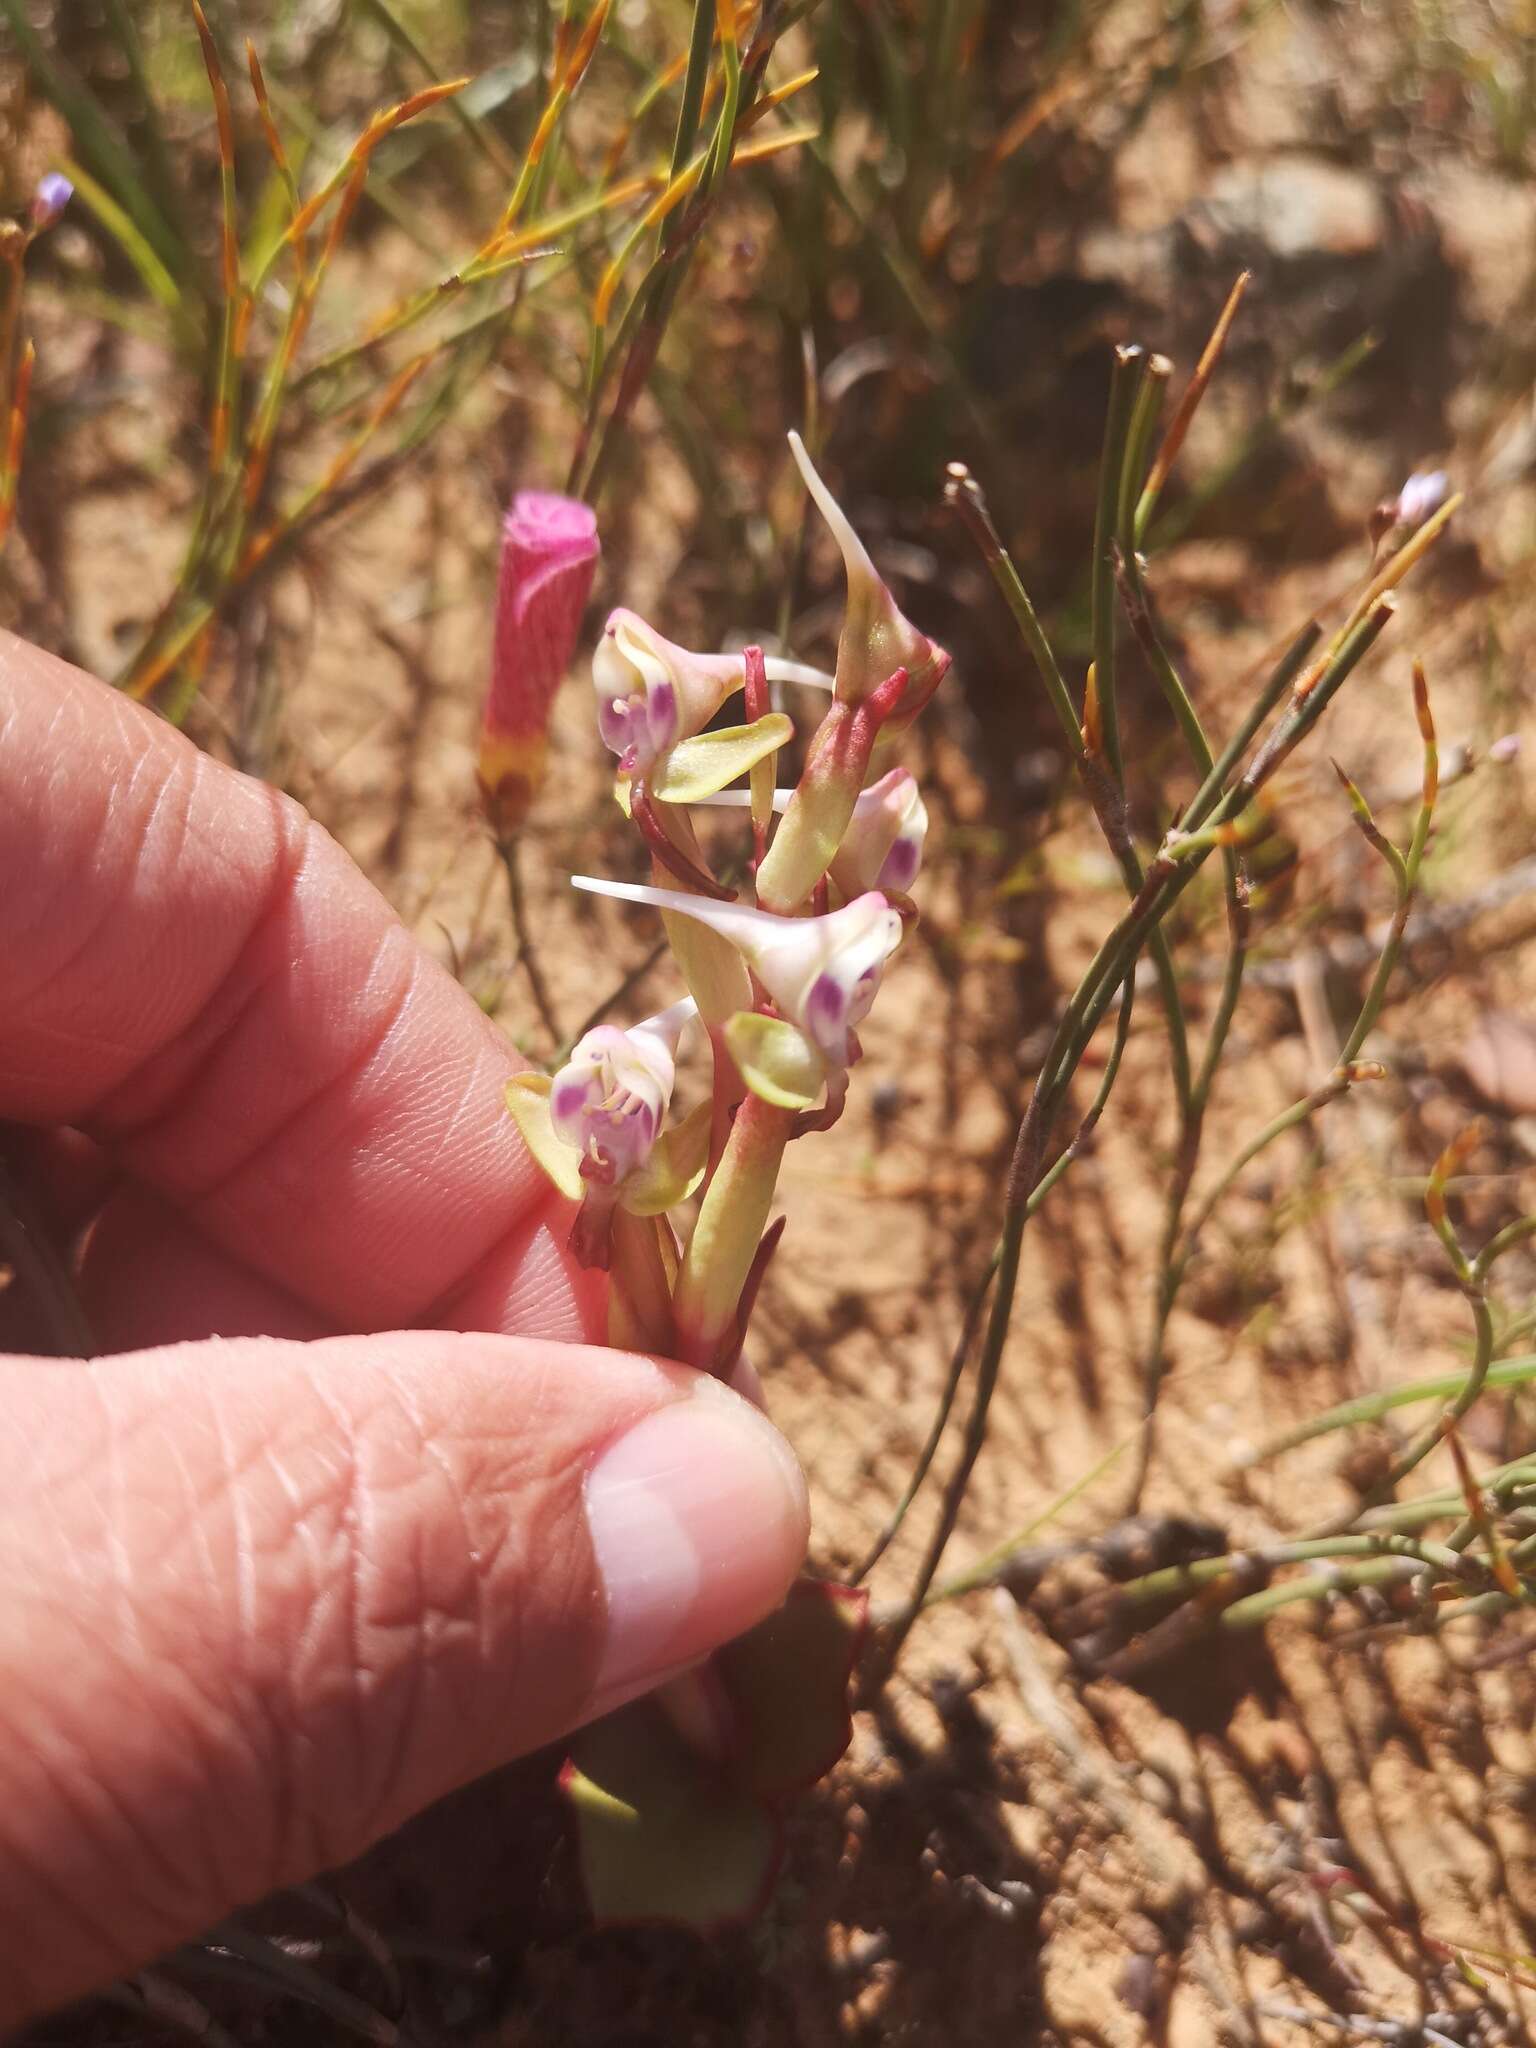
(196, 974)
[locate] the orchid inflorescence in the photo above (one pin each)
(679, 1799)
(779, 985)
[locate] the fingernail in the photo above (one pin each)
(698, 1521)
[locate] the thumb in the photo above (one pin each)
(264, 1600)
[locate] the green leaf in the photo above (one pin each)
(528, 1100)
(701, 767)
(663, 1838)
(674, 1169)
(788, 1680)
(153, 275)
(776, 1061)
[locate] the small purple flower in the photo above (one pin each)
(1421, 496)
(53, 194)
(1505, 749)
(549, 553)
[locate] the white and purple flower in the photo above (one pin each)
(651, 693)
(823, 973)
(883, 846)
(610, 1098)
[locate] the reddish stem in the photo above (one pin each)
(642, 809)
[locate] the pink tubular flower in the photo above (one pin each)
(549, 552)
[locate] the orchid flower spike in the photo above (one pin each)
(823, 973)
(651, 693)
(612, 1094)
(877, 638)
(883, 846)
(549, 553)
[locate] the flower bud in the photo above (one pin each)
(53, 194)
(1505, 748)
(823, 973)
(609, 1099)
(877, 638)
(549, 552)
(651, 693)
(883, 845)
(1421, 496)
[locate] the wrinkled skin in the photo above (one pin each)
(269, 1592)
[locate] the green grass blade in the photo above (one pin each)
(1367, 1408)
(152, 273)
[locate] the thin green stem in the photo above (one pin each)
(1368, 1408)
(1280, 679)
(526, 957)
(701, 44)
(929, 1451)
(1512, 1234)
(1174, 1580)
(964, 496)
(986, 1570)
(1124, 389)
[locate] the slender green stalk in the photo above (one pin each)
(1139, 611)
(1169, 874)
(1173, 440)
(1280, 679)
(1473, 1287)
(1518, 1232)
(729, 1230)
(1257, 1608)
(508, 852)
(1138, 445)
(1368, 1408)
(1405, 871)
(988, 1368)
(962, 1350)
(1173, 1580)
(701, 44)
(964, 496)
(1115, 959)
(1124, 389)
(986, 1570)
(930, 1449)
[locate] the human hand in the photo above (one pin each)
(268, 1592)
